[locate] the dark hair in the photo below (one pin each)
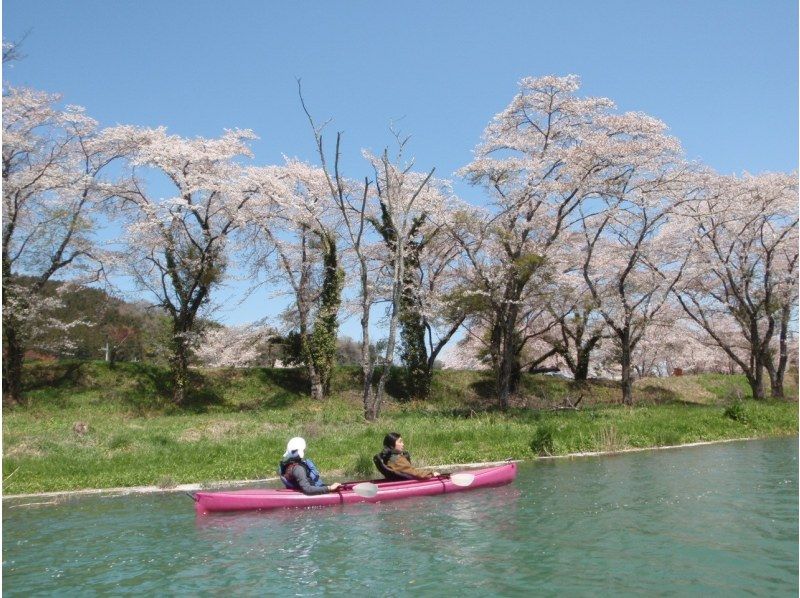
(390, 439)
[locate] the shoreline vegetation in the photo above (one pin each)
(88, 425)
(446, 468)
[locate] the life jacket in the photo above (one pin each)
(285, 471)
(381, 461)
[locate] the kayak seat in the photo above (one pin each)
(388, 473)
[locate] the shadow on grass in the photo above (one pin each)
(484, 389)
(275, 388)
(199, 400)
(291, 380)
(39, 375)
(658, 395)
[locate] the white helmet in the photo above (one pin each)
(296, 445)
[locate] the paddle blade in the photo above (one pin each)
(365, 489)
(462, 479)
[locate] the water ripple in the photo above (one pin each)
(717, 519)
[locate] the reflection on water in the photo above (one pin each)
(715, 519)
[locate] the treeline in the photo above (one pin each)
(103, 327)
(599, 244)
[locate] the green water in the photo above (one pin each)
(715, 520)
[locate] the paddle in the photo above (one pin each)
(461, 479)
(363, 489)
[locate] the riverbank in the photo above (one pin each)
(447, 468)
(86, 426)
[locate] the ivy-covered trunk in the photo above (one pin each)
(412, 336)
(12, 365)
(308, 354)
(326, 325)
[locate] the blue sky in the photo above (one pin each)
(723, 75)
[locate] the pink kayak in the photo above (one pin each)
(258, 499)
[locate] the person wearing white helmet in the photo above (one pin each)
(299, 473)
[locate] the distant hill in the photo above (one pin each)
(96, 320)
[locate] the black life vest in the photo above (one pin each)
(382, 459)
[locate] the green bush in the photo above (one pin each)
(737, 412)
(543, 442)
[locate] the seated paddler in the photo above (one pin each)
(299, 473)
(394, 462)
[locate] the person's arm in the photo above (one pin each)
(306, 487)
(402, 465)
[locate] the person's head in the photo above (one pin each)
(393, 440)
(296, 447)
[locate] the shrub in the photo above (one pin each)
(543, 442)
(737, 412)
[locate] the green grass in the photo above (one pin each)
(236, 423)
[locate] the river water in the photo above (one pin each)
(718, 520)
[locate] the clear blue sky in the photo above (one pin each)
(723, 74)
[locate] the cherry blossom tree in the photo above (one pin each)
(673, 342)
(785, 313)
(406, 198)
(353, 199)
(579, 326)
(542, 158)
(413, 229)
(400, 196)
(743, 233)
(631, 259)
(631, 266)
(176, 248)
(55, 165)
(297, 222)
(435, 291)
(233, 346)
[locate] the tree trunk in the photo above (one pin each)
(582, 365)
(317, 385)
(414, 351)
(12, 366)
(507, 364)
(12, 361)
(505, 378)
(756, 385)
(180, 370)
(627, 381)
(390, 343)
(756, 379)
(326, 326)
(776, 375)
(367, 368)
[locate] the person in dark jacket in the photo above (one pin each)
(299, 473)
(396, 458)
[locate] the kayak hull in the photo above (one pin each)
(263, 499)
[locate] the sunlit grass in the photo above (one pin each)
(237, 426)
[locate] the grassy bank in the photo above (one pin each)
(87, 426)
